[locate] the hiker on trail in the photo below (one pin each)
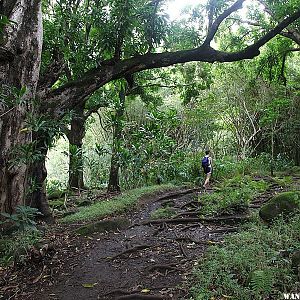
(207, 167)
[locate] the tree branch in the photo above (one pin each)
(57, 102)
(282, 76)
(292, 34)
(215, 25)
(94, 109)
(52, 73)
(249, 22)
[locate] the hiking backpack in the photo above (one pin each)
(205, 162)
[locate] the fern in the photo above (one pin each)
(261, 282)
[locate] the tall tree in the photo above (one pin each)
(20, 60)
(24, 41)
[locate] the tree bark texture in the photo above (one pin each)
(114, 179)
(23, 38)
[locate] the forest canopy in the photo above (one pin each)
(78, 58)
(148, 154)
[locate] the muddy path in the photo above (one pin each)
(151, 259)
(144, 261)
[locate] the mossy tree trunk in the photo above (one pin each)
(114, 179)
(75, 136)
(19, 74)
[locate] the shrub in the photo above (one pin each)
(250, 264)
(15, 248)
(233, 195)
(23, 219)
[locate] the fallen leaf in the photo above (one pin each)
(24, 130)
(145, 291)
(212, 242)
(227, 297)
(88, 285)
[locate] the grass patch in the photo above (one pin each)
(116, 205)
(284, 181)
(253, 264)
(232, 195)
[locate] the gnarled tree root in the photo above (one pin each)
(131, 250)
(177, 194)
(142, 297)
(163, 268)
(194, 220)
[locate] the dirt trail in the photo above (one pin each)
(144, 261)
(154, 259)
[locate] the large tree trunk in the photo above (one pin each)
(75, 136)
(114, 180)
(23, 39)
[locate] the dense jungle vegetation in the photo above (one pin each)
(104, 104)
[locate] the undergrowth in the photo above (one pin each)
(252, 264)
(118, 204)
(14, 248)
(232, 195)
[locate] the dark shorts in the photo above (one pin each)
(208, 170)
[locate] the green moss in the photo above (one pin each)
(103, 226)
(163, 213)
(3, 246)
(282, 204)
(115, 205)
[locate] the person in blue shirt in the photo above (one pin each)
(207, 167)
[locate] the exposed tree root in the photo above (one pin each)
(162, 227)
(119, 291)
(131, 250)
(224, 230)
(163, 268)
(175, 221)
(142, 297)
(255, 205)
(191, 226)
(193, 203)
(175, 194)
(187, 213)
(185, 239)
(193, 220)
(182, 250)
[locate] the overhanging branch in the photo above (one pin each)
(282, 75)
(215, 25)
(57, 102)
